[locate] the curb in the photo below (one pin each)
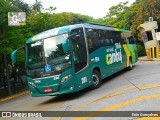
(151, 60)
(15, 96)
(145, 60)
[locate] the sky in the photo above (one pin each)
(94, 8)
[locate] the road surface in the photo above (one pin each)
(135, 90)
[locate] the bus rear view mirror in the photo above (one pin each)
(14, 54)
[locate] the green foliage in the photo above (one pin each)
(131, 17)
(37, 6)
(121, 15)
(50, 21)
(14, 37)
(141, 50)
(114, 11)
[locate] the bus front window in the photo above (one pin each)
(54, 53)
(35, 55)
(49, 51)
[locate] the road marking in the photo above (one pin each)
(14, 96)
(118, 92)
(67, 114)
(149, 118)
(117, 106)
(114, 93)
(102, 98)
(143, 87)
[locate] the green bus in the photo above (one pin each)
(70, 58)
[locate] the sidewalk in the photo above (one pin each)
(144, 58)
(17, 91)
(15, 96)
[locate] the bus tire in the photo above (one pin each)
(96, 80)
(130, 67)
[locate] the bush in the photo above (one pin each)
(141, 50)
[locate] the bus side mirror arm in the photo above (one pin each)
(14, 54)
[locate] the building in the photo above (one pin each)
(150, 36)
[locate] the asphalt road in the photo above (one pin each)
(135, 90)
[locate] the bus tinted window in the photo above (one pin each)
(97, 38)
(131, 40)
(93, 39)
(123, 39)
(118, 37)
(115, 36)
(106, 38)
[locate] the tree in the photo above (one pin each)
(145, 9)
(50, 9)
(116, 16)
(37, 6)
(114, 11)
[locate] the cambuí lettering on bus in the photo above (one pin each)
(116, 56)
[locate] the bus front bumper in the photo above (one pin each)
(38, 92)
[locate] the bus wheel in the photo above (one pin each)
(96, 80)
(130, 67)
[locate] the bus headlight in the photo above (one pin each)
(65, 78)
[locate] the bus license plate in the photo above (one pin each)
(48, 90)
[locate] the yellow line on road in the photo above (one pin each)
(142, 87)
(15, 96)
(114, 93)
(114, 107)
(149, 118)
(117, 92)
(102, 98)
(108, 95)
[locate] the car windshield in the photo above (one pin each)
(49, 52)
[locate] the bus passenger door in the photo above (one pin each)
(79, 58)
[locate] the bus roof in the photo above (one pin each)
(67, 29)
(52, 32)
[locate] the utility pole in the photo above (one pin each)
(7, 74)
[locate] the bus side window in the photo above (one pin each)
(113, 37)
(92, 39)
(89, 33)
(111, 41)
(89, 40)
(123, 39)
(131, 40)
(101, 37)
(104, 37)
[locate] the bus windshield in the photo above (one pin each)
(49, 51)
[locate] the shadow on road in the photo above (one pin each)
(114, 76)
(72, 96)
(66, 97)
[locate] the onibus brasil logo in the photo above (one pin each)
(116, 56)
